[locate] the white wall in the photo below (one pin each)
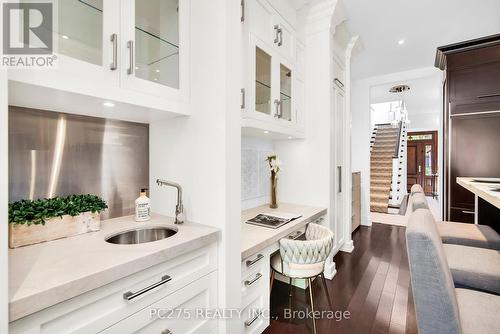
(255, 174)
(4, 197)
(202, 152)
(360, 107)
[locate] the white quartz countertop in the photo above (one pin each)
(48, 273)
(256, 238)
(486, 188)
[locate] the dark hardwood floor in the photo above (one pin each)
(372, 283)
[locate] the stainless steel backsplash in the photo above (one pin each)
(57, 154)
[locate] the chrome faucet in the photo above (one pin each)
(179, 208)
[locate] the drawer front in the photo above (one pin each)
(462, 215)
(254, 262)
(255, 282)
(175, 313)
(98, 309)
(255, 317)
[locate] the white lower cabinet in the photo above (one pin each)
(255, 293)
(176, 313)
(255, 317)
(187, 281)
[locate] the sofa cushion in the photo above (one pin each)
(473, 235)
(478, 311)
(432, 284)
(416, 188)
(473, 267)
(418, 201)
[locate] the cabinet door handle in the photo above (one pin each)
(129, 295)
(114, 40)
(166, 331)
(487, 95)
(339, 168)
(243, 98)
(254, 261)
(277, 39)
(468, 212)
(278, 108)
(252, 281)
(242, 18)
(249, 323)
(130, 46)
(280, 32)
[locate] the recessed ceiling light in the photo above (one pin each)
(290, 137)
(401, 42)
(157, 71)
(137, 67)
(108, 104)
(156, 79)
(266, 132)
(65, 37)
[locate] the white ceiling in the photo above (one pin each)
(424, 24)
(424, 96)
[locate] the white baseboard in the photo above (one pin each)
(347, 247)
(366, 220)
(330, 270)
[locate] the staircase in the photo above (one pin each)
(386, 167)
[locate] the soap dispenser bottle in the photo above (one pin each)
(142, 207)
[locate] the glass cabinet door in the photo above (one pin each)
(285, 93)
(80, 30)
(157, 41)
(262, 81)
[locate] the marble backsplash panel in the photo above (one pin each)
(255, 175)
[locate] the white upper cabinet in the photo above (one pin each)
(271, 83)
(153, 33)
(131, 52)
(271, 28)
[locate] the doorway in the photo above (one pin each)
(422, 161)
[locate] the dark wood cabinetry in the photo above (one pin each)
(472, 122)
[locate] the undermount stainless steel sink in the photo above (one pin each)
(141, 235)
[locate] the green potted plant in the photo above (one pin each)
(32, 222)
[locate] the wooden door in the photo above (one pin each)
(421, 160)
(413, 176)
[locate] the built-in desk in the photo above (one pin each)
(257, 245)
(256, 238)
(486, 188)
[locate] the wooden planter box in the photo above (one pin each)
(54, 228)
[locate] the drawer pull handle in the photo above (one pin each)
(254, 261)
(129, 295)
(487, 95)
(249, 323)
(252, 281)
(468, 212)
(166, 331)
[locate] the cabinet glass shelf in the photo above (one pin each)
(80, 29)
(80, 36)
